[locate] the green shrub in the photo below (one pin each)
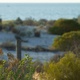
(68, 68)
(17, 70)
(8, 25)
(64, 25)
(42, 22)
(19, 21)
(30, 22)
(68, 42)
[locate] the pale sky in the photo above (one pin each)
(40, 1)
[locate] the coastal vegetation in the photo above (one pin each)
(15, 69)
(57, 27)
(68, 41)
(67, 68)
(10, 24)
(64, 66)
(62, 26)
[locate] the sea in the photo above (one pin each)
(49, 11)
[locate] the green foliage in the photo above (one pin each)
(42, 22)
(64, 25)
(68, 68)
(8, 25)
(68, 42)
(30, 22)
(19, 21)
(17, 70)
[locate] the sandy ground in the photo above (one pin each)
(45, 40)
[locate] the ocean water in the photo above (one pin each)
(38, 11)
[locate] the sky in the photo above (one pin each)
(40, 1)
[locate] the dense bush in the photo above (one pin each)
(19, 21)
(68, 41)
(64, 25)
(17, 70)
(30, 22)
(68, 68)
(42, 22)
(8, 27)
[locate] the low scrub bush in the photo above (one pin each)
(68, 68)
(68, 42)
(62, 26)
(17, 70)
